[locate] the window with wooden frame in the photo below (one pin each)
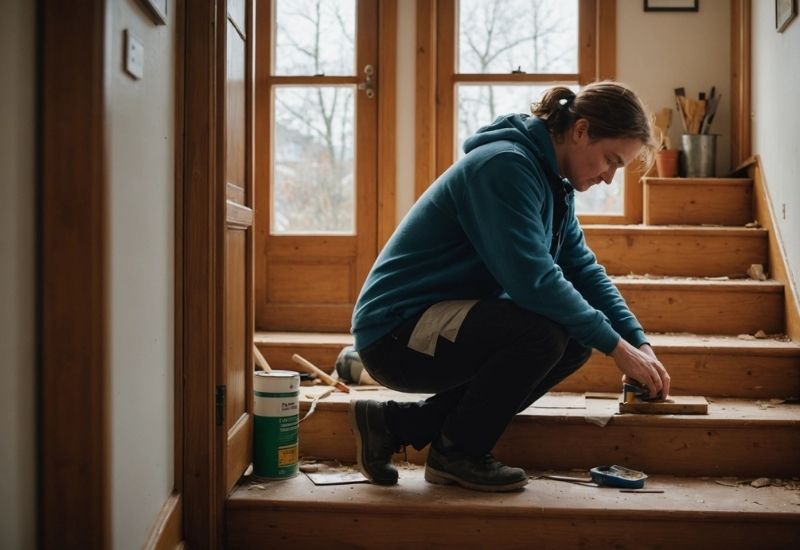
(477, 59)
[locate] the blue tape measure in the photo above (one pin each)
(618, 476)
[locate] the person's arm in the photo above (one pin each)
(633, 354)
(500, 211)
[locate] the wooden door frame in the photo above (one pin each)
(202, 243)
(74, 485)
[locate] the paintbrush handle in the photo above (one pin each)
(324, 376)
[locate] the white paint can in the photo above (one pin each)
(276, 423)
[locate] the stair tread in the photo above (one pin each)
(303, 338)
(674, 341)
(693, 182)
(570, 408)
(698, 230)
(683, 497)
(706, 283)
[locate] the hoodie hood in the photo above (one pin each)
(528, 131)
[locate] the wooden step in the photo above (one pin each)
(321, 348)
(697, 201)
(703, 306)
(713, 365)
(690, 513)
(737, 437)
(719, 366)
(677, 250)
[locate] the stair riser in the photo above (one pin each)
(743, 450)
(678, 255)
(713, 374)
(734, 311)
(402, 527)
(698, 204)
(280, 356)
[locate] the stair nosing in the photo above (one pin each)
(338, 403)
(677, 229)
(536, 501)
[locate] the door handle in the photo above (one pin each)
(369, 81)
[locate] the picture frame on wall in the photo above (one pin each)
(785, 12)
(156, 9)
(671, 5)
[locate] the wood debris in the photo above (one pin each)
(756, 272)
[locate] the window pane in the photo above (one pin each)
(314, 37)
(536, 36)
(313, 160)
(602, 198)
(479, 105)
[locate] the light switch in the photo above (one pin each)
(134, 55)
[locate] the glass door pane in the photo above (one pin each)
(314, 37)
(313, 186)
(534, 36)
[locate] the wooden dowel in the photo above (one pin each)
(260, 360)
(324, 376)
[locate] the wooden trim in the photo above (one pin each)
(607, 40)
(262, 151)
(73, 261)
(201, 314)
(166, 533)
(250, 186)
(741, 146)
(238, 215)
(587, 41)
(315, 80)
(180, 39)
(425, 121)
(446, 59)
(778, 267)
(568, 78)
(387, 119)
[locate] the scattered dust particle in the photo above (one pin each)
(746, 337)
(760, 335)
(760, 482)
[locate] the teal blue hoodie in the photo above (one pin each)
(484, 229)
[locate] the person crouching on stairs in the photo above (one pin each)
(487, 295)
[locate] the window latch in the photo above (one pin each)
(369, 81)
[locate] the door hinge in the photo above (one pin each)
(220, 402)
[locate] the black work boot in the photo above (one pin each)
(375, 445)
(479, 473)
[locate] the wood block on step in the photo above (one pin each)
(682, 404)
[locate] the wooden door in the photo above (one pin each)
(235, 379)
(316, 160)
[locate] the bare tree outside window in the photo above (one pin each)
(314, 126)
(529, 36)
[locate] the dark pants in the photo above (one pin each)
(504, 358)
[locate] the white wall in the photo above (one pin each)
(660, 51)
(141, 132)
(776, 117)
(17, 276)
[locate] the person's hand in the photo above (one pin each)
(643, 366)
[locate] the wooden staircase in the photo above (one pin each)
(683, 274)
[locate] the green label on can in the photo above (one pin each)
(275, 453)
